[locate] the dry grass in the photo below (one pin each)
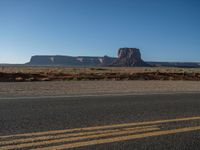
(18, 74)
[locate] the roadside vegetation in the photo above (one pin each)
(28, 74)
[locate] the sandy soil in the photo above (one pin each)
(60, 88)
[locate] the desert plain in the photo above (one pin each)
(60, 81)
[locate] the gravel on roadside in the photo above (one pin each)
(62, 88)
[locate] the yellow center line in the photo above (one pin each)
(119, 139)
(43, 138)
(102, 135)
(99, 127)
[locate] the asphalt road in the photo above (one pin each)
(132, 122)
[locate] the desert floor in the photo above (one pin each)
(62, 88)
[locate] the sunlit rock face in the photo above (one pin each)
(129, 57)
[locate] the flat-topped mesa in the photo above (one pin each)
(129, 57)
(52, 60)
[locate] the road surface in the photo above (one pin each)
(121, 122)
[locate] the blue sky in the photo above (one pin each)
(164, 30)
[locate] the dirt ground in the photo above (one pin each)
(59, 81)
(61, 88)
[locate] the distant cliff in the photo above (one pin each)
(175, 64)
(127, 57)
(70, 61)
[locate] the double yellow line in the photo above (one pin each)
(73, 138)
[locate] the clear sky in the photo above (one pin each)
(164, 30)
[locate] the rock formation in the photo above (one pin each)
(55, 60)
(129, 57)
